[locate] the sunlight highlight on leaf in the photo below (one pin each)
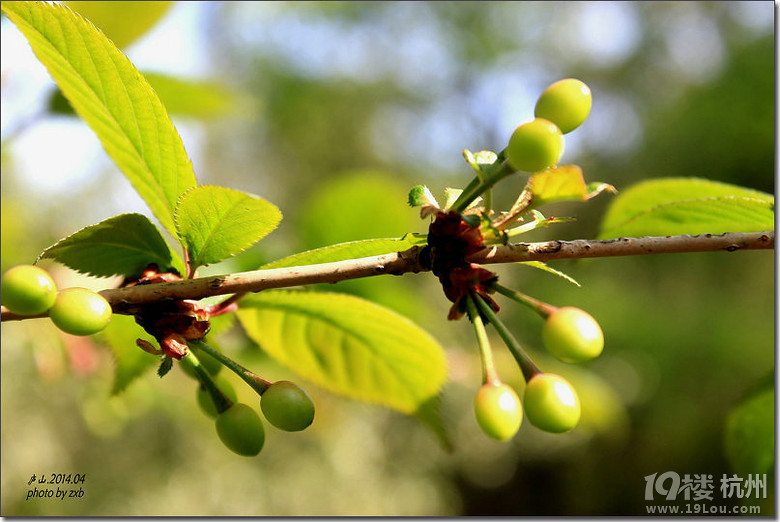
(109, 93)
(121, 245)
(348, 345)
(349, 250)
(215, 223)
(669, 206)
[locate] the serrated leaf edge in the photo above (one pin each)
(194, 263)
(43, 255)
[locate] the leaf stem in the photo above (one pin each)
(527, 366)
(224, 307)
(187, 265)
(489, 373)
(256, 382)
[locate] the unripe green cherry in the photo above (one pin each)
(79, 311)
(551, 403)
(498, 410)
(566, 103)
(572, 335)
(27, 290)
(241, 430)
(205, 401)
(287, 406)
(535, 146)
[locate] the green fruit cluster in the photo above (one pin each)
(283, 403)
(550, 403)
(572, 336)
(538, 145)
(30, 290)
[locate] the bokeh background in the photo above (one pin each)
(332, 111)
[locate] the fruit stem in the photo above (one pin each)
(487, 196)
(188, 266)
(489, 373)
(477, 187)
(224, 307)
(540, 307)
(527, 366)
(255, 381)
(221, 401)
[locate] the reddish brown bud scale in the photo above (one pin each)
(172, 323)
(451, 239)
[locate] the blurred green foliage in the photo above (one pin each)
(349, 105)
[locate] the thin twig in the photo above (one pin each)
(127, 300)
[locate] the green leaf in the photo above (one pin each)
(193, 98)
(421, 195)
(750, 434)
(482, 162)
(687, 206)
(348, 345)
(451, 195)
(117, 102)
(710, 215)
(121, 245)
(165, 366)
(131, 362)
(562, 183)
(546, 268)
(215, 223)
(534, 220)
(558, 184)
(349, 250)
(597, 187)
(189, 98)
(123, 22)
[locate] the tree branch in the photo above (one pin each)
(128, 300)
(625, 246)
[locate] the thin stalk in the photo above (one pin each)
(527, 366)
(540, 307)
(518, 207)
(256, 382)
(224, 307)
(487, 196)
(473, 190)
(221, 401)
(190, 272)
(532, 225)
(489, 373)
